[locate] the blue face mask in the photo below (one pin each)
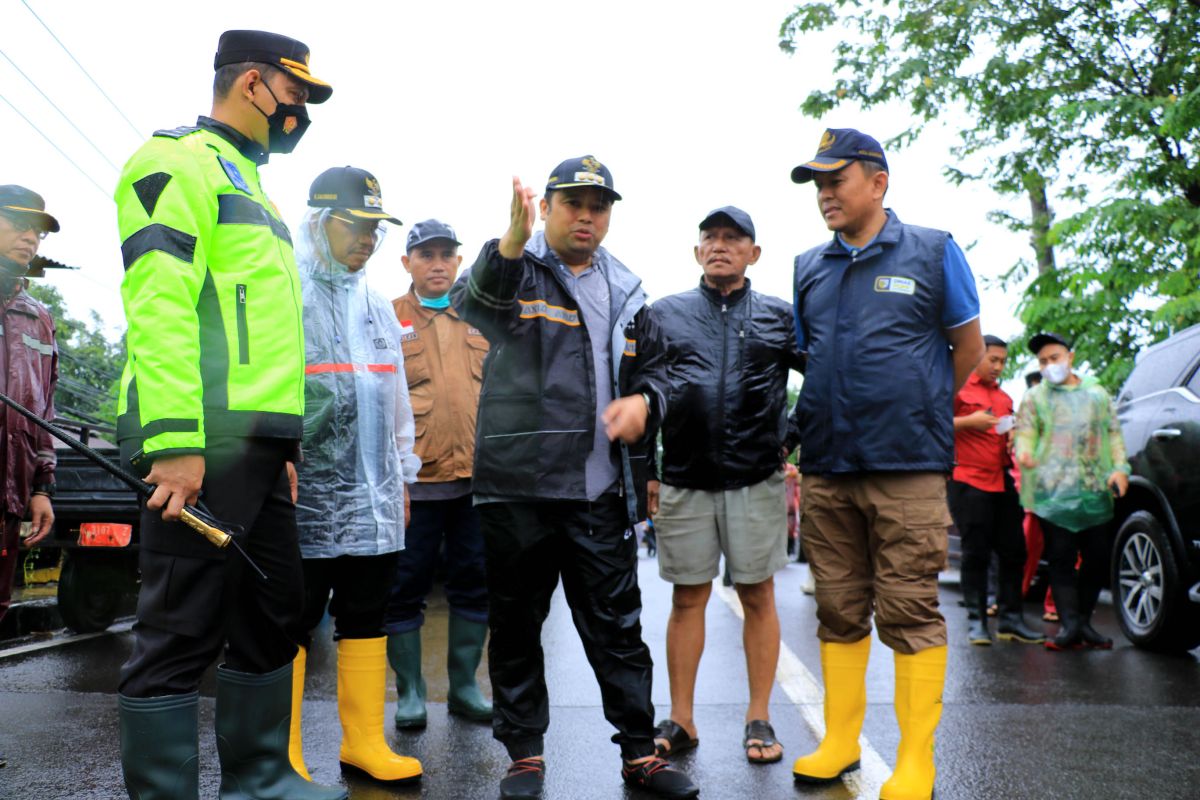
(442, 302)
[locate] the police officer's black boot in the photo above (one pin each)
(1010, 625)
(254, 714)
(1066, 597)
(160, 746)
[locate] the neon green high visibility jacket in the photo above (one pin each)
(211, 293)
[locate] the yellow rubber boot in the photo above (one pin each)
(844, 671)
(919, 682)
(362, 682)
(295, 739)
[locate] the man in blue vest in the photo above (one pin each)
(882, 304)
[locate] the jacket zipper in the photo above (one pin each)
(721, 389)
(243, 326)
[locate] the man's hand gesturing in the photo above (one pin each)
(520, 224)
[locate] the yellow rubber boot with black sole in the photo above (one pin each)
(362, 683)
(920, 678)
(295, 738)
(844, 672)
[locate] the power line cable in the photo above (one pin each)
(56, 147)
(61, 113)
(132, 127)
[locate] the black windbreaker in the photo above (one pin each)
(537, 406)
(727, 368)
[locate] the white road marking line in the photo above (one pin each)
(33, 647)
(805, 692)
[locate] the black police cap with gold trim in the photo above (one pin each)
(285, 53)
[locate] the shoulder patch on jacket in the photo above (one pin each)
(176, 133)
(150, 188)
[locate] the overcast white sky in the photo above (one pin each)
(690, 104)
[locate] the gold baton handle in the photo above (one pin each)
(215, 535)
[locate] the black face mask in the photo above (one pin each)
(11, 275)
(285, 126)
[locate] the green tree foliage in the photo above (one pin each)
(1089, 105)
(89, 364)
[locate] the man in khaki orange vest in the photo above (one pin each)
(443, 358)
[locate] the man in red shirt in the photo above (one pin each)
(984, 502)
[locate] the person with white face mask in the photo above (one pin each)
(1072, 457)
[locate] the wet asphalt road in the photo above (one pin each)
(1019, 722)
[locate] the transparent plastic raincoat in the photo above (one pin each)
(1075, 438)
(358, 422)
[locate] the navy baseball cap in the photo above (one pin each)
(429, 230)
(582, 171)
(17, 201)
(1043, 339)
(352, 189)
(731, 216)
(837, 149)
(282, 52)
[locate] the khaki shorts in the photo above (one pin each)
(875, 543)
(748, 526)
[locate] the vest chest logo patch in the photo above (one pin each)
(381, 344)
(895, 285)
(630, 347)
(407, 332)
(474, 331)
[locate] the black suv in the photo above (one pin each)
(1156, 555)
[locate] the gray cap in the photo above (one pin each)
(427, 231)
(729, 215)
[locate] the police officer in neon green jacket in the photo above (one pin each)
(212, 400)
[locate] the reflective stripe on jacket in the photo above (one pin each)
(28, 374)
(443, 360)
(211, 294)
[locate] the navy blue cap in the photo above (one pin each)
(582, 171)
(352, 189)
(1043, 339)
(17, 201)
(429, 230)
(837, 149)
(282, 52)
(729, 215)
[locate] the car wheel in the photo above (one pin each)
(89, 592)
(1150, 599)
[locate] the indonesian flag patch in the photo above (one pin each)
(407, 332)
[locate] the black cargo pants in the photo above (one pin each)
(528, 545)
(196, 599)
(989, 522)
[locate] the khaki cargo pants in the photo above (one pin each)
(876, 542)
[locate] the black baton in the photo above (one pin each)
(198, 519)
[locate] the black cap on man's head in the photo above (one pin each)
(21, 203)
(837, 149)
(994, 341)
(730, 216)
(283, 52)
(582, 171)
(429, 230)
(352, 189)
(1042, 339)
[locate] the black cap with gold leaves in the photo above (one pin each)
(289, 55)
(352, 189)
